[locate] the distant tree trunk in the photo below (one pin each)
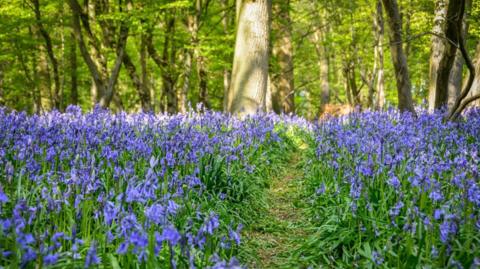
(104, 84)
(138, 82)
(379, 35)
(319, 39)
(44, 82)
(456, 74)
(271, 88)
(475, 89)
(56, 98)
(187, 70)
(73, 72)
(443, 52)
(283, 52)
(404, 85)
(226, 71)
(250, 65)
(2, 76)
(146, 89)
(408, 28)
(194, 27)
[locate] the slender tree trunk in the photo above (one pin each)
(73, 72)
(475, 89)
(168, 57)
(323, 65)
(194, 27)
(2, 77)
(404, 85)
(283, 52)
(443, 52)
(49, 50)
(456, 74)
(379, 35)
(138, 82)
(250, 65)
(44, 81)
(104, 81)
(187, 67)
(226, 71)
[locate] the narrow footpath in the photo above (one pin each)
(271, 241)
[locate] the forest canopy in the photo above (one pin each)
(165, 56)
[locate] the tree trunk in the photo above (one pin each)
(226, 71)
(56, 98)
(104, 81)
(187, 67)
(379, 35)
(404, 86)
(250, 64)
(73, 72)
(323, 65)
(456, 74)
(283, 52)
(194, 27)
(44, 82)
(2, 76)
(443, 52)
(138, 82)
(475, 89)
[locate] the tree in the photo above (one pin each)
(283, 97)
(56, 96)
(97, 64)
(404, 86)
(250, 64)
(456, 74)
(379, 36)
(443, 51)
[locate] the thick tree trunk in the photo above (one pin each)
(443, 52)
(379, 36)
(56, 98)
(250, 65)
(404, 86)
(283, 52)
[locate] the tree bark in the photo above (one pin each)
(250, 65)
(456, 74)
(226, 71)
(2, 77)
(73, 72)
(404, 85)
(56, 98)
(379, 36)
(138, 83)
(187, 70)
(104, 83)
(323, 65)
(475, 89)
(283, 52)
(443, 52)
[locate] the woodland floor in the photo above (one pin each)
(271, 241)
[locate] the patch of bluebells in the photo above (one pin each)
(79, 188)
(409, 187)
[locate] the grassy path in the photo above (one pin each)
(270, 241)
